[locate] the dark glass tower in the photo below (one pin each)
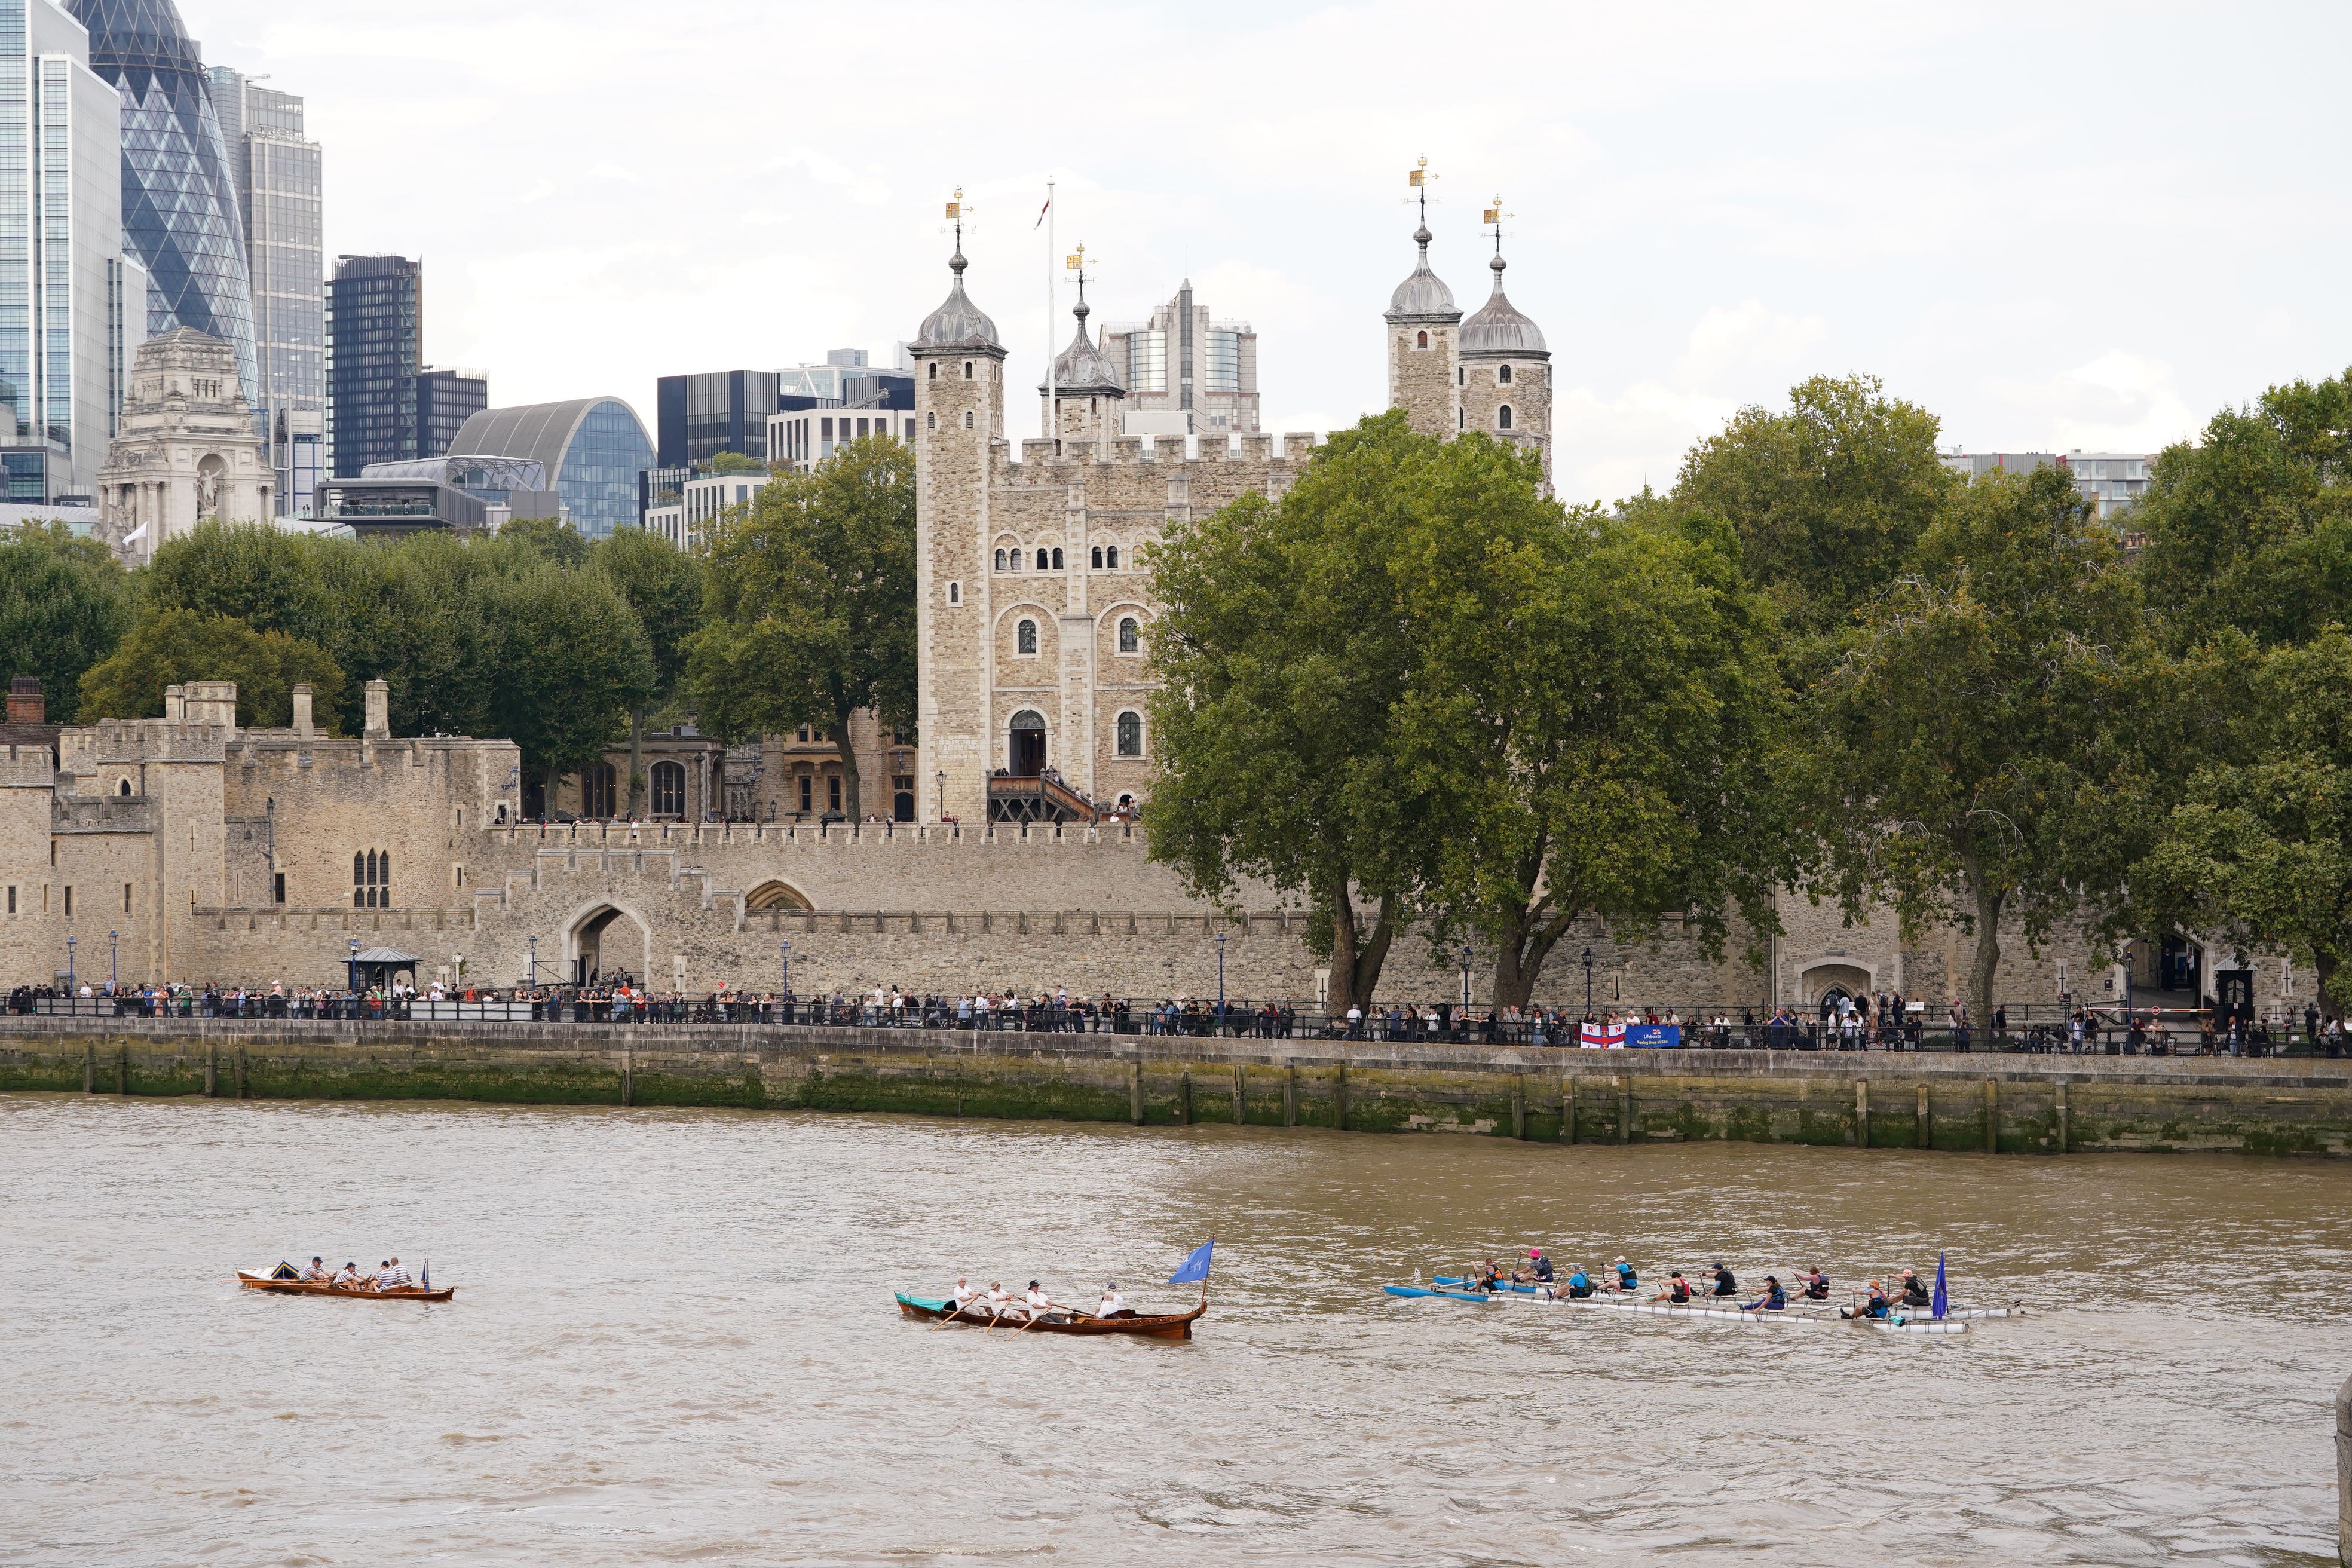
(375, 351)
(179, 189)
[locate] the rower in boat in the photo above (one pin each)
(1876, 1306)
(1627, 1281)
(1579, 1287)
(961, 1297)
(349, 1279)
(999, 1300)
(393, 1276)
(317, 1274)
(1036, 1304)
(1677, 1292)
(1915, 1291)
(1724, 1285)
(1536, 1273)
(1772, 1299)
(1113, 1304)
(1815, 1284)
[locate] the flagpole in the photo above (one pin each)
(1050, 388)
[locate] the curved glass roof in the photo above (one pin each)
(594, 448)
(179, 195)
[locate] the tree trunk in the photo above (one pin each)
(851, 798)
(547, 806)
(636, 762)
(2324, 965)
(1526, 937)
(1356, 966)
(1987, 958)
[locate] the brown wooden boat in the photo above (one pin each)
(1175, 1326)
(252, 1282)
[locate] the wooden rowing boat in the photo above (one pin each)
(1172, 1326)
(252, 1282)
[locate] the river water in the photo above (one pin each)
(674, 1341)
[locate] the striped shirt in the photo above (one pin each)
(392, 1278)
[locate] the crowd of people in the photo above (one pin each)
(1716, 1285)
(388, 1274)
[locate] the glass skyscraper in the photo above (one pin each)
(375, 349)
(179, 190)
(278, 191)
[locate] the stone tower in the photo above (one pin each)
(185, 450)
(1422, 321)
(1087, 393)
(1504, 376)
(959, 426)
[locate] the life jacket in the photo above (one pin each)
(1915, 1293)
(1625, 1276)
(1679, 1292)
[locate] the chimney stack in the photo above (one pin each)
(379, 711)
(25, 704)
(302, 709)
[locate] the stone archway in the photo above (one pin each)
(605, 941)
(1820, 980)
(774, 894)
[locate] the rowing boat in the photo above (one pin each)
(1797, 1304)
(1171, 1326)
(1699, 1310)
(1442, 1295)
(253, 1281)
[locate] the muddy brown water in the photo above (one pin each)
(674, 1341)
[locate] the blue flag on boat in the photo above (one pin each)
(1943, 1301)
(1196, 1267)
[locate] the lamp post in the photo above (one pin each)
(1588, 985)
(113, 981)
(1465, 979)
(355, 966)
(70, 973)
(533, 939)
(942, 782)
(1221, 983)
(784, 962)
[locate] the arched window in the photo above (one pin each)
(122, 788)
(1025, 637)
(955, 592)
(967, 370)
(1057, 560)
(1130, 733)
(1112, 555)
(1000, 561)
(1016, 560)
(670, 789)
(1097, 561)
(372, 879)
(1502, 375)
(931, 420)
(596, 791)
(935, 370)
(1130, 636)
(1420, 340)
(967, 418)
(1503, 417)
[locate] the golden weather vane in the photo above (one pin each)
(958, 212)
(1493, 218)
(1417, 179)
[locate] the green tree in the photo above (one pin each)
(736, 463)
(2261, 848)
(271, 579)
(664, 586)
(1284, 654)
(1828, 497)
(64, 605)
(548, 539)
(575, 664)
(1974, 762)
(1593, 713)
(810, 607)
(2251, 526)
(173, 647)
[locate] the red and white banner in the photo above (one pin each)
(1600, 1036)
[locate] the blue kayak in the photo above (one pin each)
(1513, 1290)
(1447, 1295)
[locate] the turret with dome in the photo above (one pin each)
(1085, 391)
(1505, 375)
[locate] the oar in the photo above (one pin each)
(953, 1313)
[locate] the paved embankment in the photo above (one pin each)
(2009, 1104)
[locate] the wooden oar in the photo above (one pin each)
(955, 1313)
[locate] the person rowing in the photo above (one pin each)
(1915, 1291)
(318, 1273)
(1876, 1306)
(1037, 1304)
(1579, 1286)
(1677, 1292)
(1724, 1285)
(961, 1297)
(1113, 1304)
(349, 1278)
(1772, 1298)
(1536, 1273)
(1626, 1279)
(998, 1301)
(394, 1276)
(1815, 1284)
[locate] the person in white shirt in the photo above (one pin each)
(317, 1273)
(961, 1297)
(1113, 1305)
(999, 1300)
(393, 1276)
(1037, 1302)
(349, 1279)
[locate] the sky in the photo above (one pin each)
(2056, 226)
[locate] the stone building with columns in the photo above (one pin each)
(185, 449)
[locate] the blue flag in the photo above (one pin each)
(1943, 1301)
(1196, 1267)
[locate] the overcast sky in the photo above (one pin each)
(2056, 226)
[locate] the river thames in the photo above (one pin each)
(674, 1341)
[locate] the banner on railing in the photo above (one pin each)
(1600, 1036)
(1666, 1035)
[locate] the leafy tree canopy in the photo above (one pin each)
(549, 539)
(173, 647)
(64, 605)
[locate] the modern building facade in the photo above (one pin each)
(592, 449)
(187, 450)
(279, 193)
(800, 438)
(1185, 371)
(72, 307)
(445, 398)
(463, 494)
(702, 500)
(180, 215)
(2112, 481)
(696, 418)
(846, 375)
(375, 349)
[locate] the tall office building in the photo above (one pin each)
(72, 308)
(278, 189)
(375, 349)
(179, 194)
(445, 398)
(1184, 372)
(696, 418)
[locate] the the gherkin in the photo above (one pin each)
(179, 193)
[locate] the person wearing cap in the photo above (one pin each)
(1113, 1305)
(1677, 1292)
(1772, 1298)
(349, 1279)
(318, 1273)
(1915, 1290)
(1626, 1279)
(1579, 1286)
(1536, 1273)
(1875, 1306)
(1724, 1285)
(1039, 1305)
(999, 1301)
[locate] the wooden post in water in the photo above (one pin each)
(122, 1069)
(2344, 1474)
(1567, 1109)
(1861, 1113)
(2063, 1131)
(1184, 1098)
(90, 1068)
(1992, 1116)
(1241, 1103)
(1925, 1133)
(1290, 1092)
(240, 1072)
(1135, 1090)
(212, 1067)
(1625, 1109)
(628, 1077)
(1519, 1107)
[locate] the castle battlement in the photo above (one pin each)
(126, 742)
(26, 767)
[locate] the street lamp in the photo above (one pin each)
(1221, 983)
(785, 960)
(70, 973)
(1587, 985)
(355, 966)
(533, 939)
(113, 981)
(1466, 980)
